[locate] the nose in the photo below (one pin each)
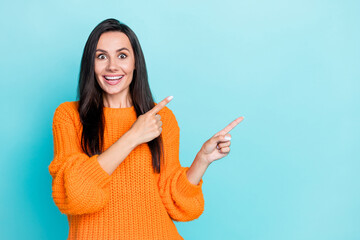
(112, 65)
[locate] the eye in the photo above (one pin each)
(122, 55)
(101, 56)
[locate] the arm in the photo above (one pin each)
(197, 169)
(183, 200)
(110, 159)
(80, 184)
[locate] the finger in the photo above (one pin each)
(224, 150)
(159, 123)
(224, 144)
(229, 127)
(221, 138)
(158, 117)
(160, 105)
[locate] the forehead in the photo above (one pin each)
(111, 41)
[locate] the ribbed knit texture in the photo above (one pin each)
(132, 202)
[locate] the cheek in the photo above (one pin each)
(98, 68)
(128, 66)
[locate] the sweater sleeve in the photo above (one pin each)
(79, 184)
(183, 200)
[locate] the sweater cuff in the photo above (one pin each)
(185, 187)
(91, 169)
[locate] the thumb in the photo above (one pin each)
(220, 138)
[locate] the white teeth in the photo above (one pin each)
(113, 78)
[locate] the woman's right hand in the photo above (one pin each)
(148, 125)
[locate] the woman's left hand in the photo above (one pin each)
(218, 146)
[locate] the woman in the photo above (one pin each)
(116, 170)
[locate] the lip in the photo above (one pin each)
(113, 82)
(117, 75)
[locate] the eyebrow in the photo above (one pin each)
(124, 48)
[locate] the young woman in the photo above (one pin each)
(116, 170)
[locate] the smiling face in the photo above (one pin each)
(114, 65)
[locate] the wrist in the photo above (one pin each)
(201, 159)
(131, 139)
(197, 169)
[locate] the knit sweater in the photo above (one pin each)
(131, 203)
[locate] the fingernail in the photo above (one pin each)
(227, 138)
(170, 97)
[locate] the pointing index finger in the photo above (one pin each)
(229, 127)
(160, 105)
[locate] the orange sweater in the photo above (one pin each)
(132, 202)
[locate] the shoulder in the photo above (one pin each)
(168, 118)
(167, 113)
(66, 112)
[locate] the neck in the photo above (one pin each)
(113, 101)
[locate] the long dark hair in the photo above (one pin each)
(90, 94)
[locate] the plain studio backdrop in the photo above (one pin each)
(291, 68)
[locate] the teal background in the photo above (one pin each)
(291, 68)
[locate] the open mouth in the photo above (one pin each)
(113, 80)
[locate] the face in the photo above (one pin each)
(114, 63)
